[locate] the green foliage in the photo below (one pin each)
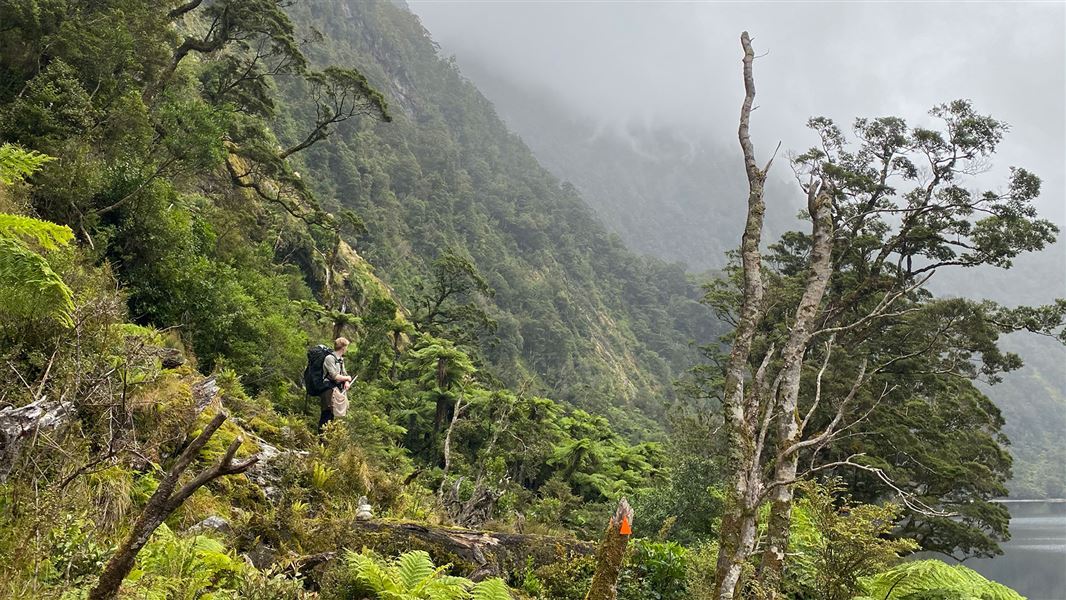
(46, 235)
(199, 240)
(447, 304)
(576, 315)
(686, 504)
(413, 576)
(933, 579)
(28, 284)
(655, 570)
(566, 580)
(339, 91)
(835, 542)
(183, 568)
(919, 414)
(1027, 399)
(17, 164)
(76, 555)
(699, 580)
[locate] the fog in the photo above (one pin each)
(677, 65)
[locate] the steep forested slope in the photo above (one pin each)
(1033, 402)
(164, 268)
(575, 309)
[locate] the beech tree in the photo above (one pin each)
(838, 325)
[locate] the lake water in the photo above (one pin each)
(1034, 560)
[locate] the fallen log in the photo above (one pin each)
(474, 554)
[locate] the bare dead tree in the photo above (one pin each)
(166, 499)
(737, 535)
(457, 413)
(820, 207)
(478, 507)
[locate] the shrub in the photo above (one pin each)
(655, 570)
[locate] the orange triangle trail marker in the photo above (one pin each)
(625, 529)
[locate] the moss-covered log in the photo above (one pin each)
(474, 554)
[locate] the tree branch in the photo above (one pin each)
(163, 502)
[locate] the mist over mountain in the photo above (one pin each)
(667, 192)
(562, 74)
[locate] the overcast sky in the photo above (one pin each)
(677, 64)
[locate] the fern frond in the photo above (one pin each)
(435, 579)
(366, 569)
(17, 164)
(47, 235)
(933, 577)
(412, 576)
(414, 569)
(29, 286)
(445, 588)
(490, 589)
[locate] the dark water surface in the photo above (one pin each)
(1034, 560)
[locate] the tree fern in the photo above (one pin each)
(47, 235)
(934, 580)
(28, 285)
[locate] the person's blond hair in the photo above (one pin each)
(340, 344)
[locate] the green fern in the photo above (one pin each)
(45, 234)
(490, 589)
(184, 568)
(413, 576)
(29, 286)
(933, 579)
(17, 164)
(414, 569)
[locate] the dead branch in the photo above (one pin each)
(839, 416)
(909, 500)
(818, 385)
(166, 500)
(879, 311)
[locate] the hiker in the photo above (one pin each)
(326, 378)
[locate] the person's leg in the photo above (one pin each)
(327, 416)
(325, 403)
